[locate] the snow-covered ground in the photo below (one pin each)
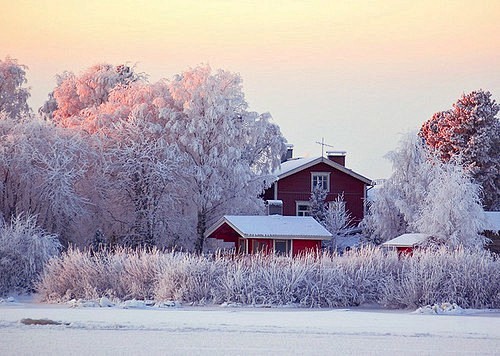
(245, 331)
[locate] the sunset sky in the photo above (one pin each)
(358, 73)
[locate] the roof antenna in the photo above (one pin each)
(323, 144)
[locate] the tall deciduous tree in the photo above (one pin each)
(13, 93)
(451, 210)
(41, 167)
(226, 148)
(470, 133)
(143, 178)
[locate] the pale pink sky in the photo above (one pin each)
(358, 73)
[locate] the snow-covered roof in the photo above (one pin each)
(492, 220)
(274, 226)
(407, 240)
(297, 164)
(274, 202)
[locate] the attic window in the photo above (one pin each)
(320, 179)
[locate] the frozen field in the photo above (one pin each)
(244, 331)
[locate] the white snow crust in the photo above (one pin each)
(243, 331)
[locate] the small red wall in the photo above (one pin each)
(268, 245)
(225, 233)
(304, 246)
(404, 251)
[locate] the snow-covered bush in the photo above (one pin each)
(121, 273)
(188, 278)
(368, 275)
(24, 250)
(267, 279)
(467, 278)
(307, 280)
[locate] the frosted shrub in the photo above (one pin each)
(24, 250)
(276, 280)
(364, 272)
(122, 273)
(140, 270)
(75, 274)
(188, 278)
(473, 279)
(468, 278)
(368, 275)
(418, 281)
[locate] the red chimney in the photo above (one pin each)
(337, 156)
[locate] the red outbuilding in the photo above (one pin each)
(406, 243)
(284, 235)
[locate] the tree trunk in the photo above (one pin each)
(201, 227)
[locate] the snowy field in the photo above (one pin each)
(244, 331)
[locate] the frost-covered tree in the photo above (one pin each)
(170, 156)
(451, 210)
(397, 202)
(426, 195)
(332, 215)
(469, 133)
(41, 168)
(13, 93)
(226, 149)
(77, 97)
(143, 178)
(318, 204)
(337, 219)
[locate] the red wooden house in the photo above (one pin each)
(284, 235)
(297, 177)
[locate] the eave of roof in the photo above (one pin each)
(407, 240)
(309, 162)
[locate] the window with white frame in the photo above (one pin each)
(321, 180)
(282, 247)
(303, 208)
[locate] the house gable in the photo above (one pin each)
(296, 165)
(294, 185)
